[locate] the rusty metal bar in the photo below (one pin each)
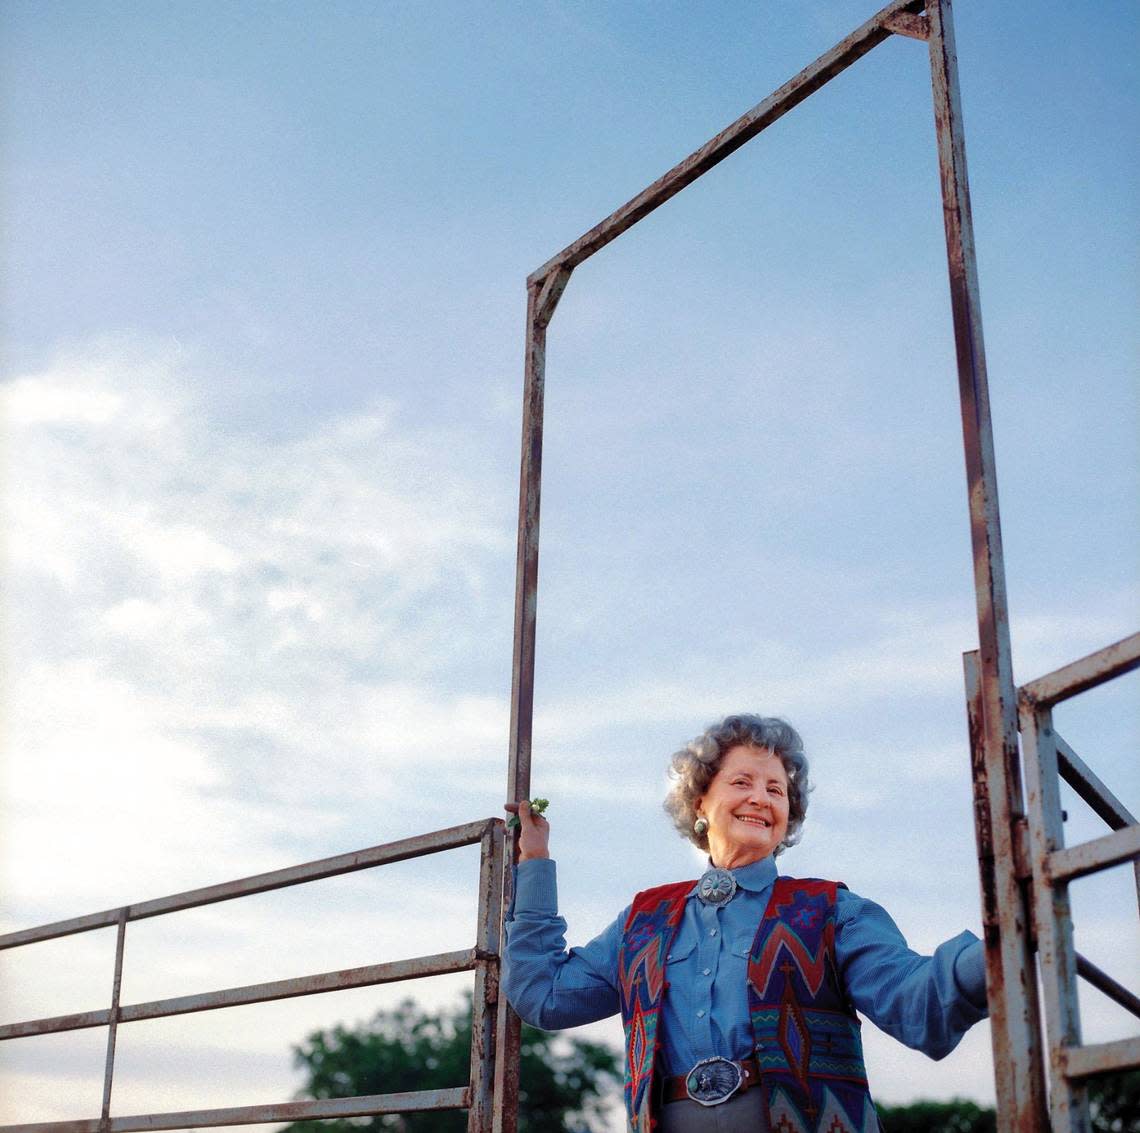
(1099, 1058)
(1089, 857)
(411, 1102)
(1081, 778)
(1113, 661)
(541, 297)
(506, 1070)
(1104, 983)
(48, 1026)
(484, 1003)
(113, 1017)
(1015, 1030)
(729, 140)
(983, 825)
(450, 839)
(443, 963)
(526, 564)
(1053, 918)
(419, 967)
(1084, 781)
(996, 971)
(104, 919)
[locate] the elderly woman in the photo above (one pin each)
(738, 991)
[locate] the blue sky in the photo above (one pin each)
(263, 306)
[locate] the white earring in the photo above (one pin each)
(701, 827)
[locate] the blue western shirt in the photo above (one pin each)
(926, 1002)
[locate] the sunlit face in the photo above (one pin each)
(746, 806)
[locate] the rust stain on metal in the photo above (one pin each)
(1099, 1058)
(1104, 665)
(1091, 857)
(903, 23)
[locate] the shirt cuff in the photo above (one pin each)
(536, 887)
(970, 971)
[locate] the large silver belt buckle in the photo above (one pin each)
(713, 1080)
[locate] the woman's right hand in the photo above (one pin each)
(534, 832)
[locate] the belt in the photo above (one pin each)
(712, 1081)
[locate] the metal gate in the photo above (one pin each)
(479, 1095)
(1024, 866)
(1008, 882)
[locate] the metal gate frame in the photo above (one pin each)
(481, 1097)
(993, 706)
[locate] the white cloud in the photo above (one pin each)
(201, 624)
(225, 653)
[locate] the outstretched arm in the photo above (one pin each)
(926, 1002)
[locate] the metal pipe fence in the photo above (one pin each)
(1054, 866)
(479, 1095)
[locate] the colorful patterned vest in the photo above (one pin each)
(806, 1034)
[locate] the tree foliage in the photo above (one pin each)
(1114, 1102)
(563, 1084)
(1114, 1107)
(956, 1116)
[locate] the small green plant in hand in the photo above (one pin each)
(537, 806)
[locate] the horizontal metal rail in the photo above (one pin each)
(483, 958)
(418, 1101)
(1089, 857)
(450, 839)
(443, 963)
(1103, 982)
(1113, 661)
(732, 137)
(1099, 1058)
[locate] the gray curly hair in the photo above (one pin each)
(693, 767)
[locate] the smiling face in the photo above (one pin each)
(746, 806)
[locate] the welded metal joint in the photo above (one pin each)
(906, 24)
(549, 294)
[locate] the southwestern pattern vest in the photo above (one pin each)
(806, 1034)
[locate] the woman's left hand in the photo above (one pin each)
(534, 832)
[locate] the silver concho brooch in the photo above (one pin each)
(716, 886)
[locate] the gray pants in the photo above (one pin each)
(741, 1114)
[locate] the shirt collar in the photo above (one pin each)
(755, 877)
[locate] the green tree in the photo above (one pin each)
(563, 1085)
(1114, 1107)
(956, 1116)
(1114, 1102)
